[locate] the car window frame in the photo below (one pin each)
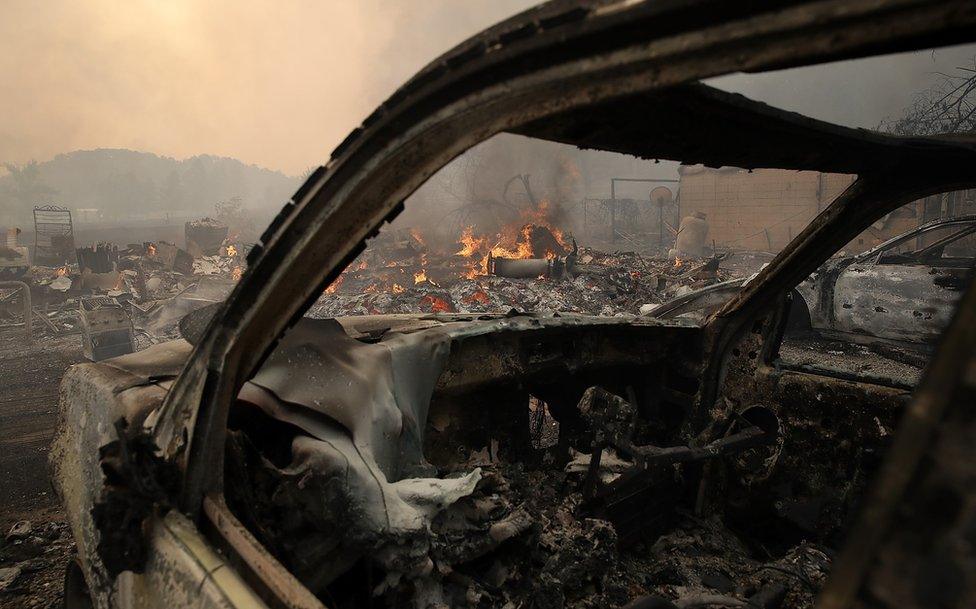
(192, 422)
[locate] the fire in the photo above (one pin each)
(231, 251)
(479, 296)
(335, 285)
(362, 265)
(120, 282)
(470, 245)
(418, 236)
(420, 276)
(236, 273)
(436, 304)
(477, 269)
(678, 262)
(151, 250)
(513, 241)
(397, 288)
(61, 271)
(542, 215)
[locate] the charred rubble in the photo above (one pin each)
(540, 269)
(119, 299)
(500, 498)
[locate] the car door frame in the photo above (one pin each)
(325, 225)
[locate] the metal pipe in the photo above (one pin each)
(613, 210)
(521, 268)
(28, 309)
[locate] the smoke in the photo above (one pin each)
(856, 93)
(271, 83)
(280, 84)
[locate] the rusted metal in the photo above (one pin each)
(106, 328)
(378, 166)
(264, 571)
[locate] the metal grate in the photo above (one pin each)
(54, 243)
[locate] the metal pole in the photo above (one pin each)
(28, 309)
(613, 210)
(613, 200)
(660, 223)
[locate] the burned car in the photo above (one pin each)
(914, 279)
(903, 291)
(519, 459)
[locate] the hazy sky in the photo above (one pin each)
(275, 83)
(279, 84)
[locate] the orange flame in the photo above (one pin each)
(418, 236)
(236, 273)
(151, 250)
(436, 304)
(397, 288)
(479, 296)
(420, 276)
(335, 284)
(470, 245)
(231, 251)
(61, 271)
(678, 262)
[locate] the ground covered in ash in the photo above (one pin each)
(32, 558)
(33, 555)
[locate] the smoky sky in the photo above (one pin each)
(273, 83)
(279, 84)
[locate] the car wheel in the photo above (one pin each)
(76, 594)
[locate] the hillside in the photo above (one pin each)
(127, 185)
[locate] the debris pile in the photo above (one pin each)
(33, 556)
(147, 287)
(490, 531)
(595, 283)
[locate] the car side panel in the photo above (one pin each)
(183, 571)
(910, 303)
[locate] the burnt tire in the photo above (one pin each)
(76, 593)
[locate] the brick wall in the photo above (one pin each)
(758, 210)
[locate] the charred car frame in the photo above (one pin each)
(145, 460)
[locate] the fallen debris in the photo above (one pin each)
(488, 532)
(20, 530)
(7, 576)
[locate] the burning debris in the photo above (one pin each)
(524, 266)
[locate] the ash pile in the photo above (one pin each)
(532, 267)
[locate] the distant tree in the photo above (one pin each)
(197, 185)
(171, 194)
(23, 186)
(949, 106)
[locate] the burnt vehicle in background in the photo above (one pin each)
(913, 282)
(273, 460)
(902, 292)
